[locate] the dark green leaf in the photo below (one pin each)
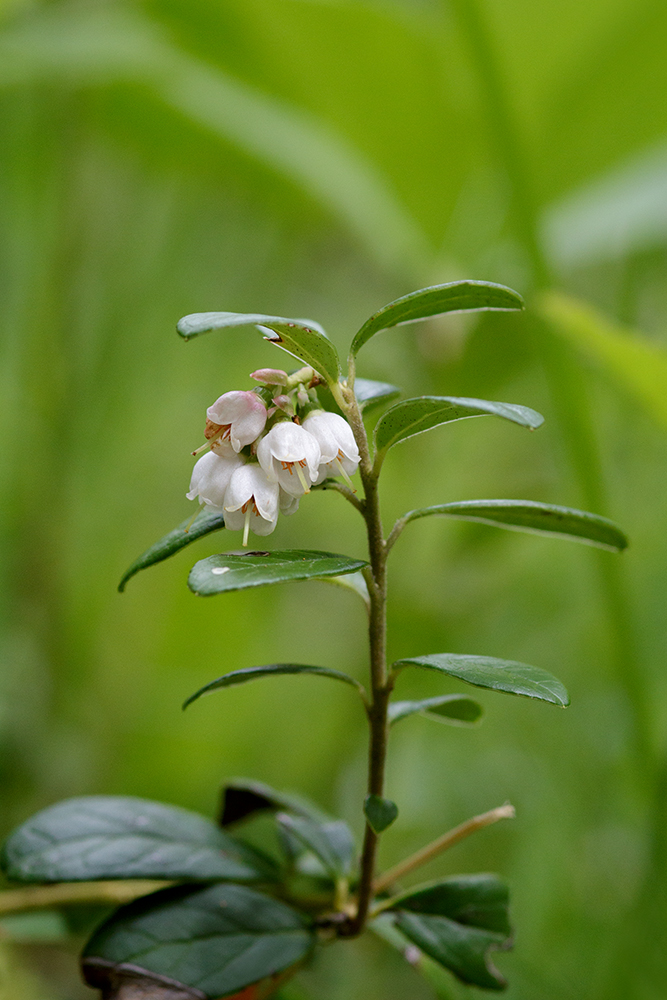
(242, 797)
(271, 670)
(499, 675)
(414, 416)
(456, 709)
(371, 394)
(332, 842)
(119, 837)
(205, 522)
(457, 296)
(379, 812)
(457, 922)
(217, 939)
(302, 338)
(530, 516)
(235, 571)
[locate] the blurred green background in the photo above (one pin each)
(319, 158)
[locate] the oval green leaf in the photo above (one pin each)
(456, 296)
(414, 416)
(236, 571)
(302, 338)
(458, 922)
(243, 797)
(270, 670)
(531, 516)
(455, 709)
(498, 675)
(186, 533)
(331, 842)
(379, 812)
(371, 394)
(120, 837)
(216, 940)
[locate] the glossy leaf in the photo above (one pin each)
(456, 296)
(455, 709)
(533, 517)
(120, 837)
(379, 812)
(332, 842)
(217, 939)
(302, 338)
(243, 797)
(498, 675)
(236, 571)
(271, 670)
(414, 416)
(457, 922)
(205, 522)
(371, 394)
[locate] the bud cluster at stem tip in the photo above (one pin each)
(266, 448)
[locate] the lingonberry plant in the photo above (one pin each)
(206, 933)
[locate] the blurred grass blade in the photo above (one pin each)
(236, 571)
(455, 709)
(91, 48)
(302, 338)
(637, 366)
(205, 522)
(457, 296)
(414, 416)
(498, 675)
(271, 670)
(533, 517)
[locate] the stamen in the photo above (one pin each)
(246, 526)
(203, 448)
(302, 478)
(192, 519)
(343, 473)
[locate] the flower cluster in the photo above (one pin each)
(266, 448)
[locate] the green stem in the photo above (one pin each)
(381, 681)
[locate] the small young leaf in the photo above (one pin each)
(302, 338)
(120, 837)
(234, 571)
(332, 842)
(371, 394)
(414, 416)
(379, 812)
(456, 296)
(455, 709)
(243, 797)
(205, 522)
(499, 675)
(533, 517)
(457, 922)
(271, 670)
(216, 940)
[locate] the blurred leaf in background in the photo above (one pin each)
(319, 158)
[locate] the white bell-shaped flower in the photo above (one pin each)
(339, 455)
(239, 416)
(251, 502)
(211, 477)
(287, 503)
(290, 456)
